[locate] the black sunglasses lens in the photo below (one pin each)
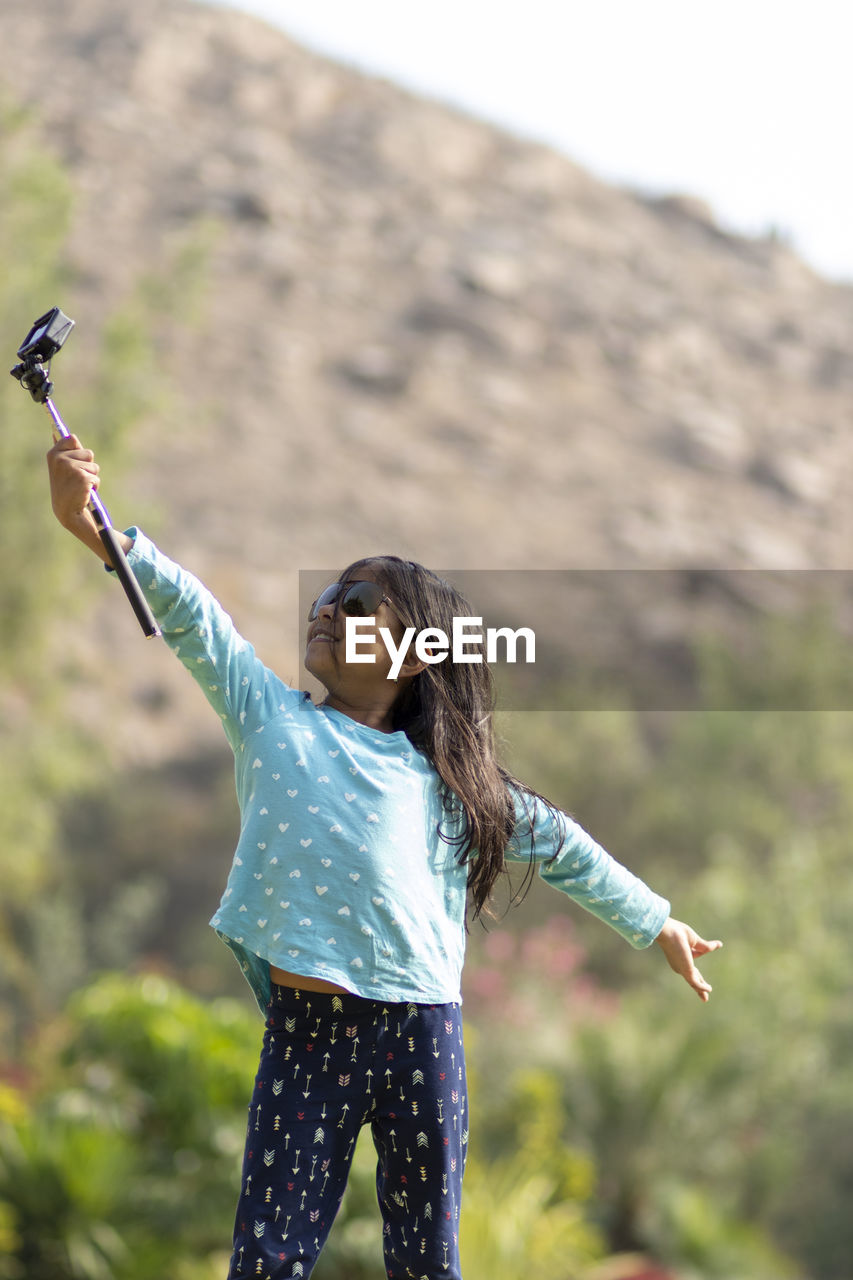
(329, 596)
(360, 599)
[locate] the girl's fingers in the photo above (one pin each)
(701, 948)
(72, 445)
(698, 983)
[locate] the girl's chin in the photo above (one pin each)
(318, 660)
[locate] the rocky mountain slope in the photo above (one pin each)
(422, 334)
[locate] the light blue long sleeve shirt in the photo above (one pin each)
(340, 871)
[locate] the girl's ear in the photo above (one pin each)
(411, 665)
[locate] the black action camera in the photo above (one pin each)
(39, 347)
(47, 335)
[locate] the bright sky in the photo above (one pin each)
(747, 104)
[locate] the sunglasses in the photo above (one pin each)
(354, 599)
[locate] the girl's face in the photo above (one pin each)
(325, 649)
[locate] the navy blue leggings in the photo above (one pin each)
(330, 1064)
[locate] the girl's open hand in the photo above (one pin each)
(681, 944)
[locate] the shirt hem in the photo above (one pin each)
(255, 969)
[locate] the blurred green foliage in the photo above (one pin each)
(110, 386)
(34, 218)
(741, 1106)
(126, 1151)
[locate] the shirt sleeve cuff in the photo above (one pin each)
(133, 533)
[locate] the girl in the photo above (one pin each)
(368, 822)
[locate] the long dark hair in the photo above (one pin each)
(447, 712)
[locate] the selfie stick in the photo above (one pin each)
(42, 343)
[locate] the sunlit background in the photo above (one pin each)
(746, 105)
(588, 317)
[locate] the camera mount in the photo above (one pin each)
(41, 344)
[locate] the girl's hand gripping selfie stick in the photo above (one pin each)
(42, 343)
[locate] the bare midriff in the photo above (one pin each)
(283, 978)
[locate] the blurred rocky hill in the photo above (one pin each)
(421, 334)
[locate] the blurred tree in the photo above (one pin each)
(741, 1106)
(786, 1015)
(657, 787)
(110, 386)
(61, 1188)
(34, 218)
(126, 1158)
(525, 1209)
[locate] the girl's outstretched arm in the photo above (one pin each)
(681, 944)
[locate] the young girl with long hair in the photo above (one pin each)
(369, 822)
